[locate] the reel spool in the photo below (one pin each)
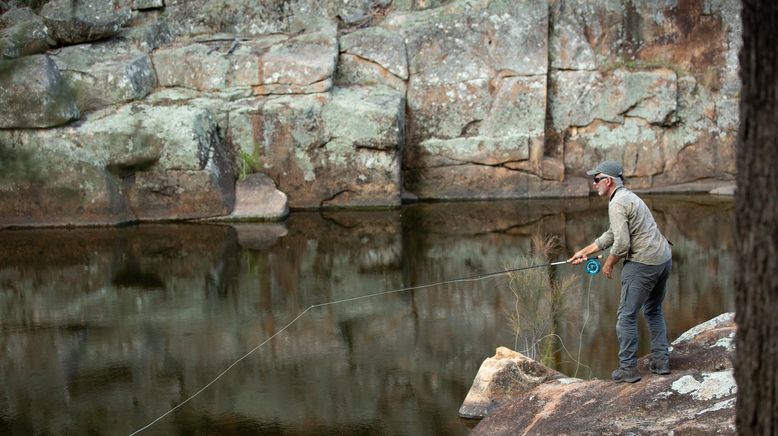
(593, 266)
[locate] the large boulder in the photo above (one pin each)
(74, 22)
(698, 397)
(103, 76)
(137, 163)
(34, 94)
(506, 375)
(22, 33)
(257, 199)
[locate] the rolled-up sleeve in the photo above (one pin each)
(605, 240)
(619, 229)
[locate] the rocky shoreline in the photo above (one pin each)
(518, 396)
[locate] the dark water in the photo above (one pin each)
(104, 330)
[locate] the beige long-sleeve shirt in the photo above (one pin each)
(633, 233)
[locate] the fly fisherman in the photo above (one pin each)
(634, 237)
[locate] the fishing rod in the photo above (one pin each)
(592, 267)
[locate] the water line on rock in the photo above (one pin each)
(345, 300)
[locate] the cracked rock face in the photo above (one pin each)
(698, 397)
(353, 103)
(476, 99)
(269, 65)
(650, 84)
(329, 150)
(137, 163)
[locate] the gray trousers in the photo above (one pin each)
(642, 287)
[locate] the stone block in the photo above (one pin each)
(71, 22)
(34, 94)
(257, 199)
(22, 33)
(579, 98)
(100, 78)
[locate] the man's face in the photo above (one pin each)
(601, 184)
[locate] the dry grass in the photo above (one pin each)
(542, 303)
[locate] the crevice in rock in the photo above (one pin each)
(504, 164)
(549, 133)
(627, 110)
(124, 170)
(470, 129)
(555, 69)
(372, 62)
(373, 148)
(85, 73)
(300, 85)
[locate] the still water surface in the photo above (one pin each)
(103, 330)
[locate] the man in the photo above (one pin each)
(634, 237)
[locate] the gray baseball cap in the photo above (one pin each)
(609, 168)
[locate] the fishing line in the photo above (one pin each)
(592, 268)
(562, 343)
(585, 321)
(313, 306)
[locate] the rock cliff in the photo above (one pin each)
(131, 110)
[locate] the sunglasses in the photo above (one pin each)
(598, 179)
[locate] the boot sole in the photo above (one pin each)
(628, 380)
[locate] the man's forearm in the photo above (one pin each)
(583, 253)
(590, 249)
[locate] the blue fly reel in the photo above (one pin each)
(592, 266)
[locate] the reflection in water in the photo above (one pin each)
(103, 330)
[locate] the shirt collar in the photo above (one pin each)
(613, 194)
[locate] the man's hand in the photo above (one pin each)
(578, 257)
(583, 254)
(607, 268)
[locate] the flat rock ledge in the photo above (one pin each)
(698, 397)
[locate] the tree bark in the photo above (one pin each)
(756, 221)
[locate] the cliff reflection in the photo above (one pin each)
(103, 330)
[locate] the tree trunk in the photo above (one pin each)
(756, 221)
